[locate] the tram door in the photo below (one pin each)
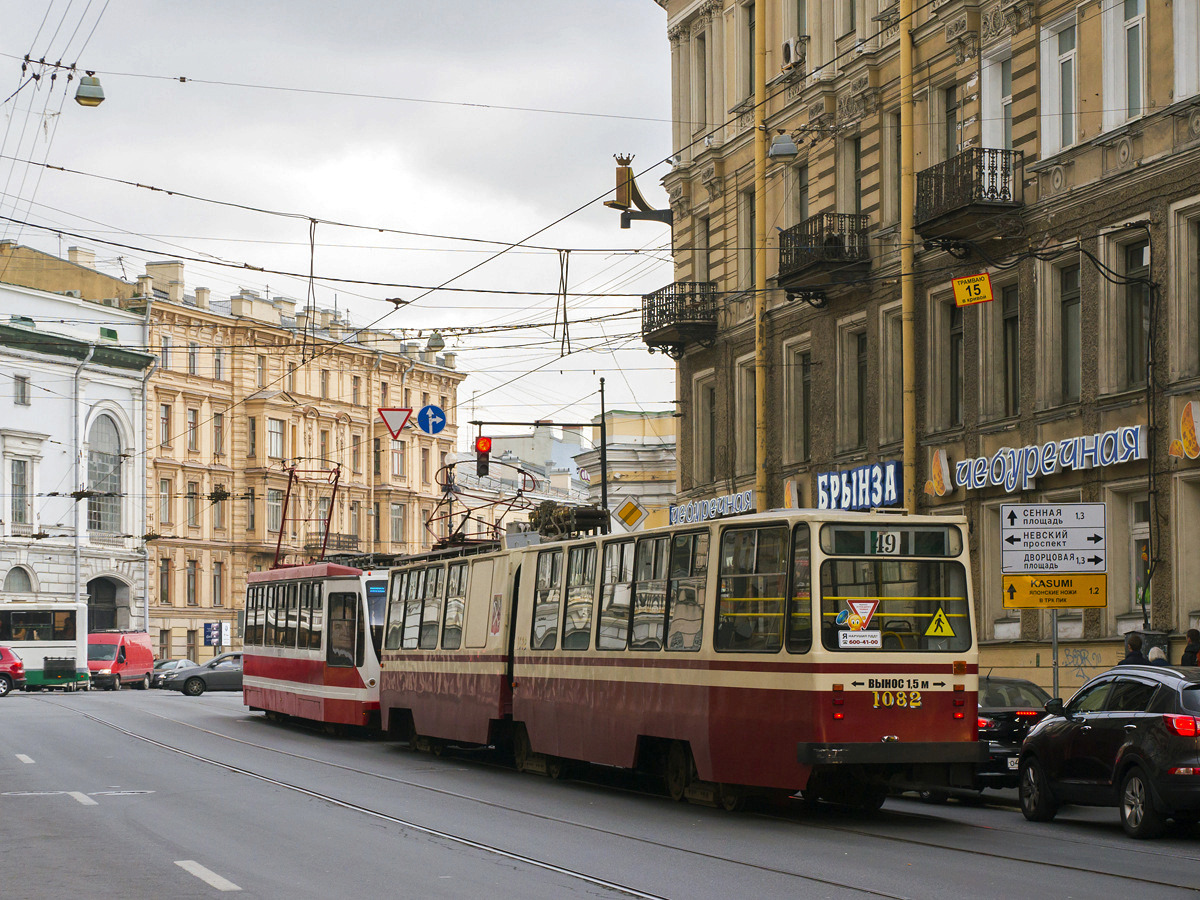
(512, 630)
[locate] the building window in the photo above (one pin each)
(193, 643)
(164, 358)
(746, 248)
(1010, 351)
(852, 383)
(1184, 298)
(798, 400)
(218, 584)
(275, 438)
(377, 456)
(252, 437)
(164, 501)
(747, 429)
(324, 384)
(1058, 86)
(193, 429)
(891, 381)
(21, 390)
(193, 504)
(375, 522)
(383, 394)
(748, 43)
(164, 581)
(1187, 47)
(1139, 556)
(889, 191)
(274, 510)
(251, 513)
(997, 101)
(193, 358)
(191, 582)
(20, 493)
(853, 149)
(949, 146)
(355, 509)
(261, 370)
(164, 643)
(1069, 335)
(397, 523)
(291, 378)
(356, 453)
(799, 193)
(1137, 312)
(218, 434)
(104, 477)
(355, 389)
(699, 84)
(701, 253)
(218, 507)
(219, 364)
(425, 465)
(324, 444)
(705, 433)
(398, 454)
(861, 387)
(1124, 70)
(956, 351)
(323, 513)
(164, 424)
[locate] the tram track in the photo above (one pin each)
(791, 819)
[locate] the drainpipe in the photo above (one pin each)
(146, 481)
(759, 250)
(908, 295)
(80, 633)
(376, 525)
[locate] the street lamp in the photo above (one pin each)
(89, 93)
(783, 148)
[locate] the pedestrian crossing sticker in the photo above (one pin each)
(940, 626)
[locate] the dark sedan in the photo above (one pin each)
(164, 667)
(1130, 738)
(223, 673)
(1008, 708)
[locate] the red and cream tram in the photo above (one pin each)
(312, 640)
(821, 651)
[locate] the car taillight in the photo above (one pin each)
(1028, 712)
(1184, 770)
(1184, 726)
(986, 724)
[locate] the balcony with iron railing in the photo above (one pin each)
(337, 542)
(823, 249)
(682, 313)
(959, 198)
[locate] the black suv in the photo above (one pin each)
(1128, 738)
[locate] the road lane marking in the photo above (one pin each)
(82, 798)
(25, 759)
(206, 875)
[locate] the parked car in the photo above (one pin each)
(223, 673)
(164, 667)
(1129, 738)
(1008, 707)
(12, 671)
(120, 657)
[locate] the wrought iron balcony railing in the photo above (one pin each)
(974, 180)
(681, 313)
(336, 542)
(825, 240)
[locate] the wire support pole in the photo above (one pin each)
(760, 260)
(908, 301)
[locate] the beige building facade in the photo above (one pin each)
(1057, 148)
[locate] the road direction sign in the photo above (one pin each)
(395, 418)
(1046, 538)
(431, 419)
(1055, 591)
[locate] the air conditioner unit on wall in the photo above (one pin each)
(790, 54)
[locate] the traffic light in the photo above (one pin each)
(483, 448)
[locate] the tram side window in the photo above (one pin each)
(318, 618)
(689, 573)
(799, 631)
(304, 620)
(616, 590)
(649, 594)
(546, 601)
(250, 638)
(394, 632)
(289, 618)
(456, 599)
(269, 628)
(751, 587)
(345, 647)
(581, 590)
(412, 608)
(432, 614)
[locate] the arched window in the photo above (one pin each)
(104, 477)
(18, 581)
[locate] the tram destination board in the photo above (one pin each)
(1053, 538)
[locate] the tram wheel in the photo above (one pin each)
(522, 752)
(554, 767)
(872, 798)
(732, 797)
(678, 770)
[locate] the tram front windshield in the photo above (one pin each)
(884, 600)
(377, 612)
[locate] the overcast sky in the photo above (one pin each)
(449, 168)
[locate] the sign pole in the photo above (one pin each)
(1054, 647)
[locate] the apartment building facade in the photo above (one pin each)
(1056, 150)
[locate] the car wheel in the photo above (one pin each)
(6, 685)
(116, 685)
(144, 684)
(1037, 803)
(934, 796)
(1139, 818)
(193, 687)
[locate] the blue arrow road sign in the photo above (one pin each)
(431, 419)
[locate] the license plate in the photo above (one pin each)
(1012, 762)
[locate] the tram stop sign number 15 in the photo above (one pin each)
(1054, 555)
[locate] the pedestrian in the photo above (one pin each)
(1157, 657)
(1133, 652)
(1192, 648)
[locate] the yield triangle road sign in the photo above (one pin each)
(395, 419)
(865, 610)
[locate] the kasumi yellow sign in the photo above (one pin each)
(972, 289)
(1055, 591)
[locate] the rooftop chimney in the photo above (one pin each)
(82, 257)
(168, 276)
(202, 297)
(145, 286)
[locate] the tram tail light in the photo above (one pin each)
(839, 699)
(959, 700)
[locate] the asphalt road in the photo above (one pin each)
(153, 794)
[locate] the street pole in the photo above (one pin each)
(759, 251)
(908, 297)
(603, 455)
(1054, 647)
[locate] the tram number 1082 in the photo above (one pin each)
(902, 699)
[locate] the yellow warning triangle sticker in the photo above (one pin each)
(940, 626)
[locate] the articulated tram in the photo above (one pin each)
(312, 641)
(822, 651)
